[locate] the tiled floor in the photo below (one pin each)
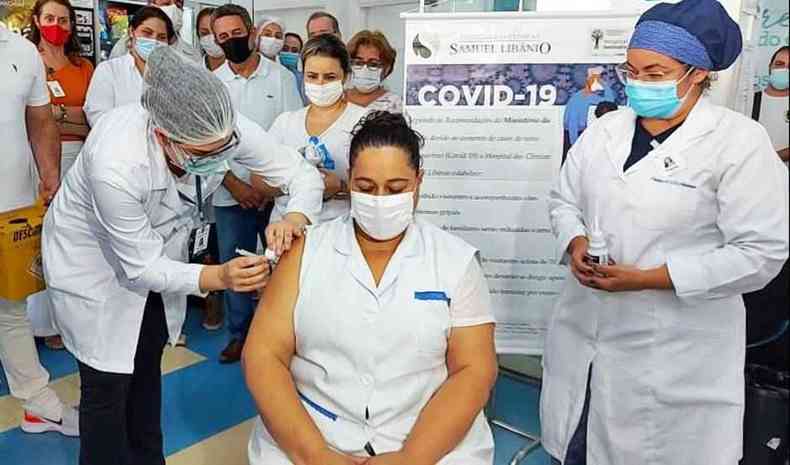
(208, 412)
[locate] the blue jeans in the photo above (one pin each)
(577, 449)
(238, 228)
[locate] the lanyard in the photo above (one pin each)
(199, 193)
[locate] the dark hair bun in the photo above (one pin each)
(385, 129)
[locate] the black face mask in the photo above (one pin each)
(237, 49)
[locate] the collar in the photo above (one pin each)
(226, 74)
(4, 33)
(345, 242)
(702, 120)
(161, 177)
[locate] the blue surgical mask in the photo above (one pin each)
(290, 60)
(144, 46)
(657, 100)
(780, 79)
(206, 165)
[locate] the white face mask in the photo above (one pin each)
(365, 79)
(210, 46)
(270, 46)
(324, 95)
(175, 14)
(382, 217)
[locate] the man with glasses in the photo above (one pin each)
(261, 90)
(644, 359)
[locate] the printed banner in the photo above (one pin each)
(499, 101)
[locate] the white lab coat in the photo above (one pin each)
(667, 385)
(115, 83)
(118, 229)
(380, 349)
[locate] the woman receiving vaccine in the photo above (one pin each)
(644, 358)
(322, 130)
(374, 342)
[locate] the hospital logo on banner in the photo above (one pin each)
(515, 46)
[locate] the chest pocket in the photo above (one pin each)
(433, 317)
(669, 202)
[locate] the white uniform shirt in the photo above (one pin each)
(269, 92)
(115, 83)
(369, 358)
(291, 129)
(667, 365)
(118, 229)
(390, 102)
(22, 85)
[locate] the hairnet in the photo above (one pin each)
(266, 20)
(185, 101)
(699, 33)
(594, 70)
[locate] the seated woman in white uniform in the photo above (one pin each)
(119, 81)
(374, 342)
(322, 130)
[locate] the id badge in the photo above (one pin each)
(56, 89)
(671, 164)
(200, 239)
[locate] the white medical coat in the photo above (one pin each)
(118, 229)
(667, 385)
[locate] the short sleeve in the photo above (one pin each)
(39, 95)
(471, 303)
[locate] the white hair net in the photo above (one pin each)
(266, 20)
(185, 101)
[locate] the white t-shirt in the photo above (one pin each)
(115, 83)
(266, 94)
(22, 84)
(773, 115)
(291, 129)
(390, 102)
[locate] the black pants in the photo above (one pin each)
(120, 414)
(577, 449)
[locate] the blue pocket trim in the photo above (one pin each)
(432, 295)
(318, 408)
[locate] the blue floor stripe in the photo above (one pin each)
(206, 398)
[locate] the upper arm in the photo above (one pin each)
(100, 96)
(471, 341)
(272, 331)
(39, 94)
(123, 217)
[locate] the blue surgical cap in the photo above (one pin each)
(699, 33)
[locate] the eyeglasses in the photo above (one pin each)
(626, 73)
(371, 65)
(231, 144)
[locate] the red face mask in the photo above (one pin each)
(55, 34)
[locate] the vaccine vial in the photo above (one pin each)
(597, 252)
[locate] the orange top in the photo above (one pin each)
(74, 80)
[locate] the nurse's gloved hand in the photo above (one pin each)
(618, 278)
(245, 274)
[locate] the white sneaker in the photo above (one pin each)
(69, 424)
